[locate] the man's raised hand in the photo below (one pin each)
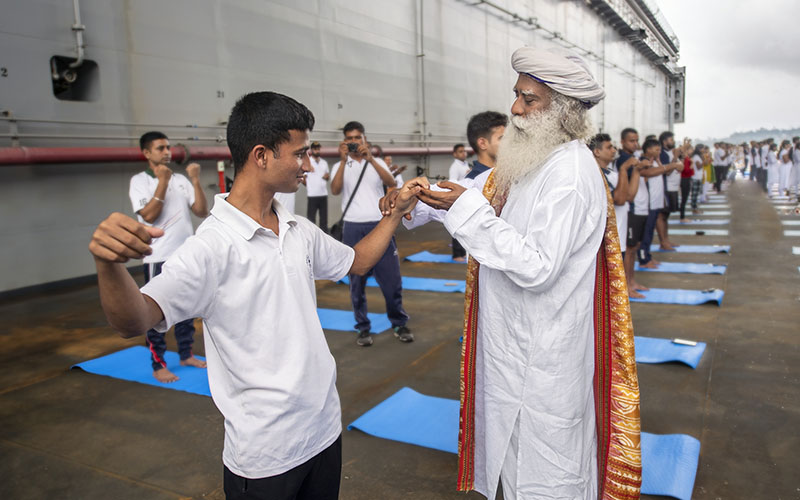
(442, 200)
(388, 202)
(120, 238)
(193, 171)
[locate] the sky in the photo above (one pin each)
(742, 61)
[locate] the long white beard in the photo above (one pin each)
(526, 144)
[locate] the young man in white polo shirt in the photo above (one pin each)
(361, 217)
(249, 273)
(317, 188)
(164, 200)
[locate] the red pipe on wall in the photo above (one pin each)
(180, 154)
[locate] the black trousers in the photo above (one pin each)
(318, 204)
(317, 479)
(184, 330)
(720, 172)
(686, 185)
(458, 250)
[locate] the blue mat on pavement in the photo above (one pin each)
(423, 284)
(669, 462)
(700, 232)
(684, 267)
(335, 319)
(651, 350)
(133, 364)
(427, 421)
(791, 232)
(679, 296)
(697, 249)
(706, 213)
(790, 222)
(427, 256)
(796, 250)
(706, 222)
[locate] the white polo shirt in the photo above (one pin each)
(315, 184)
(621, 211)
(175, 217)
(458, 170)
(656, 183)
(718, 160)
(674, 177)
(365, 203)
(287, 201)
(270, 371)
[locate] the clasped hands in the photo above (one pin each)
(421, 188)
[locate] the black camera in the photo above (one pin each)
(352, 147)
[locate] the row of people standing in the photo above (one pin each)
(775, 167)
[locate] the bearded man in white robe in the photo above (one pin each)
(549, 402)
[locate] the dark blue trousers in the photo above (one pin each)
(647, 238)
(387, 274)
(184, 331)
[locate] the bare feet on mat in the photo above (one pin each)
(460, 259)
(671, 244)
(193, 362)
(641, 288)
(668, 247)
(634, 294)
(164, 376)
(652, 264)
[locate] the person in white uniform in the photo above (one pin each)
(166, 200)
(249, 273)
(317, 187)
(534, 410)
(784, 167)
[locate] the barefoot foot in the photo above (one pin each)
(164, 376)
(634, 294)
(193, 362)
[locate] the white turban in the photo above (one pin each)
(561, 70)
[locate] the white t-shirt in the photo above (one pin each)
(718, 159)
(175, 217)
(365, 203)
(787, 152)
(657, 199)
(270, 371)
(315, 184)
(674, 177)
(458, 170)
(697, 165)
(621, 211)
(398, 180)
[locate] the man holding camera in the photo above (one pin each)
(360, 177)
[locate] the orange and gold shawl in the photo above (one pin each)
(616, 385)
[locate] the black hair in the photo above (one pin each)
(650, 137)
(482, 124)
(627, 131)
(649, 143)
(598, 140)
(698, 150)
(264, 118)
(665, 136)
(353, 126)
(455, 148)
(148, 137)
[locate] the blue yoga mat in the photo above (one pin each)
(684, 267)
(791, 232)
(697, 249)
(427, 256)
(683, 297)
(706, 232)
(669, 462)
(334, 319)
(423, 284)
(796, 250)
(706, 222)
(427, 421)
(714, 207)
(650, 350)
(790, 222)
(133, 364)
(706, 213)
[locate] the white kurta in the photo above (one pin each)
(535, 351)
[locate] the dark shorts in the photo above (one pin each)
(672, 203)
(636, 224)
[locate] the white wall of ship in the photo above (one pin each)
(186, 61)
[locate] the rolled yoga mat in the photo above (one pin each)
(669, 462)
(423, 284)
(651, 350)
(696, 249)
(681, 297)
(684, 267)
